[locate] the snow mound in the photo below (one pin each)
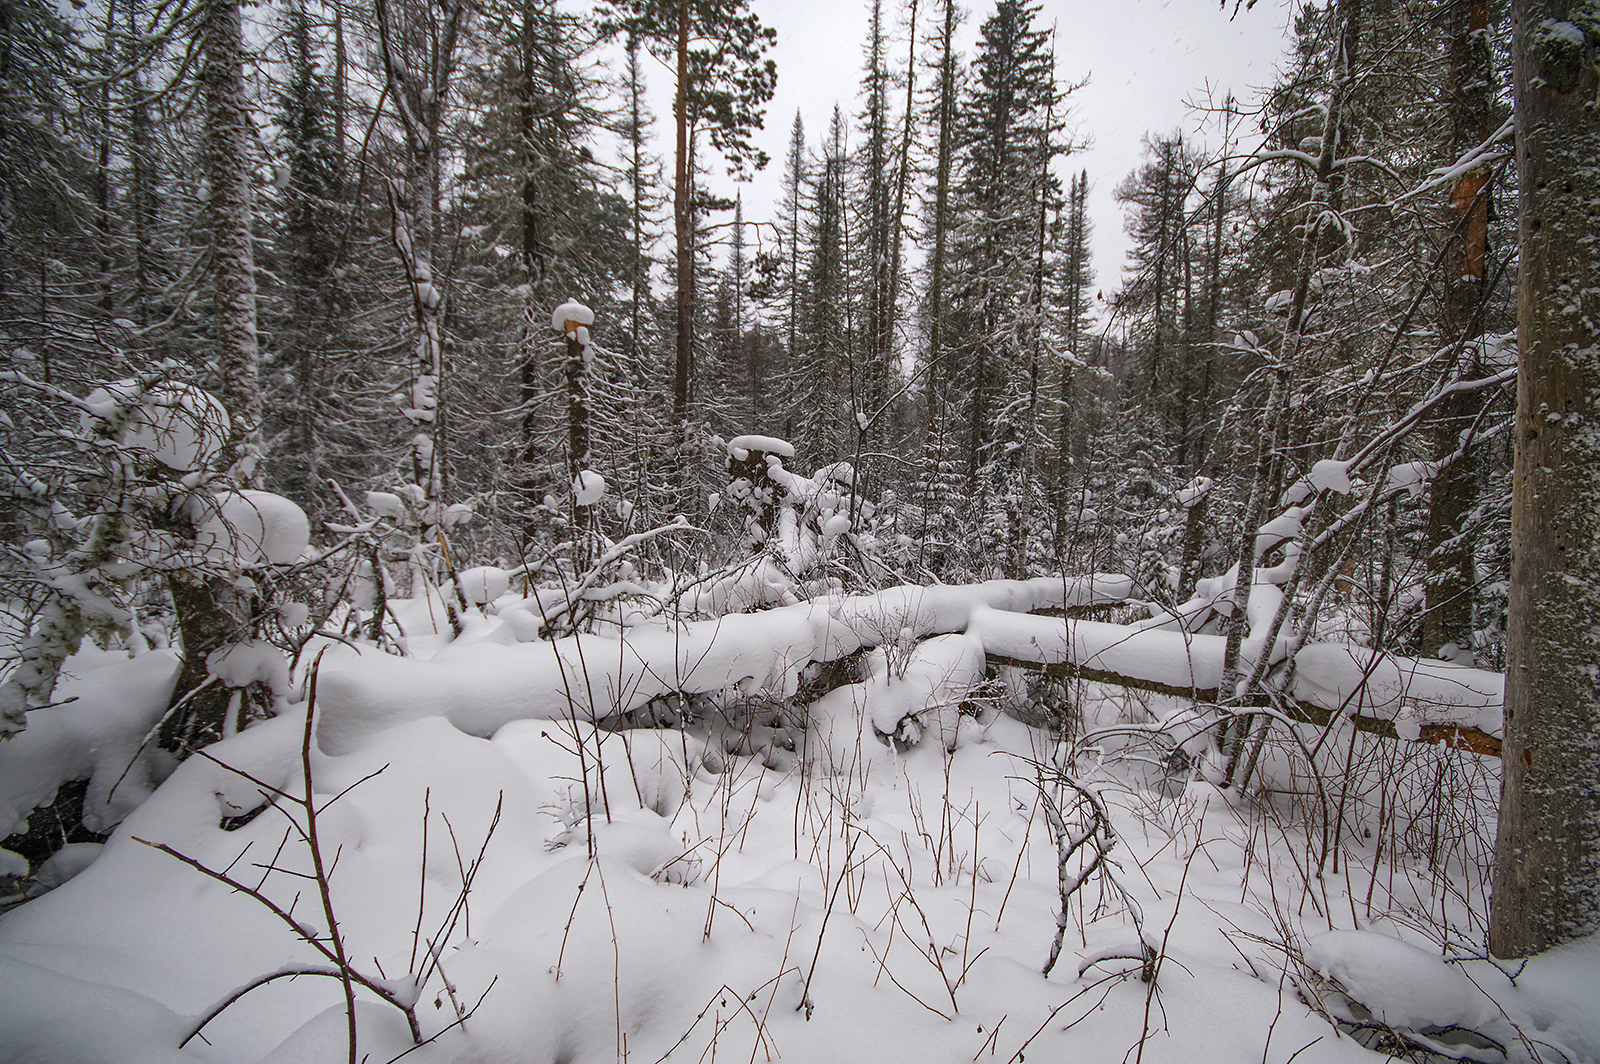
(110, 704)
(181, 426)
(1399, 984)
(484, 584)
(249, 528)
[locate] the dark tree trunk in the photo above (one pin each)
(1447, 621)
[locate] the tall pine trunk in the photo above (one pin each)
(1546, 887)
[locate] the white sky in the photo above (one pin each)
(1144, 60)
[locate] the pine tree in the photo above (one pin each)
(1008, 135)
(879, 232)
(715, 49)
(1074, 277)
(825, 388)
(313, 214)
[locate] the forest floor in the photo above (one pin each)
(554, 892)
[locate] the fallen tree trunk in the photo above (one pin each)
(1453, 735)
(482, 686)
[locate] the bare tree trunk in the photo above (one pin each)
(211, 611)
(1447, 620)
(683, 232)
(1547, 856)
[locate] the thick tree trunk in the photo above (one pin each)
(1547, 855)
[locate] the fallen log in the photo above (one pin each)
(1455, 736)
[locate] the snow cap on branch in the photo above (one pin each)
(180, 425)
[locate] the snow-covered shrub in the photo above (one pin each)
(116, 498)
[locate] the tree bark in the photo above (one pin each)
(683, 233)
(228, 169)
(1447, 620)
(1546, 884)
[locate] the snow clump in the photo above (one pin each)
(588, 487)
(570, 315)
(181, 426)
(249, 528)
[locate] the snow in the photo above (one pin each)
(1409, 691)
(569, 316)
(484, 583)
(1400, 984)
(480, 686)
(179, 425)
(588, 487)
(886, 889)
(67, 862)
(386, 504)
(251, 528)
(740, 446)
(13, 865)
(1412, 477)
(1329, 474)
(1193, 492)
(111, 702)
(252, 661)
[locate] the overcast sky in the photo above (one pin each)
(1143, 60)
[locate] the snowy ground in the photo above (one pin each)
(655, 894)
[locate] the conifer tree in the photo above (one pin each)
(1008, 135)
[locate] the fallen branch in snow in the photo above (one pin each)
(1454, 735)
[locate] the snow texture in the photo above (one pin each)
(244, 529)
(179, 425)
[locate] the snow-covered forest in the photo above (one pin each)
(473, 591)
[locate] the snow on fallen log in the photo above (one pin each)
(1410, 698)
(481, 686)
(1411, 692)
(1171, 662)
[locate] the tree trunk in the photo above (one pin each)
(1447, 620)
(683, 233)
(228, 166)
(1547, 856)
(211, 611)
